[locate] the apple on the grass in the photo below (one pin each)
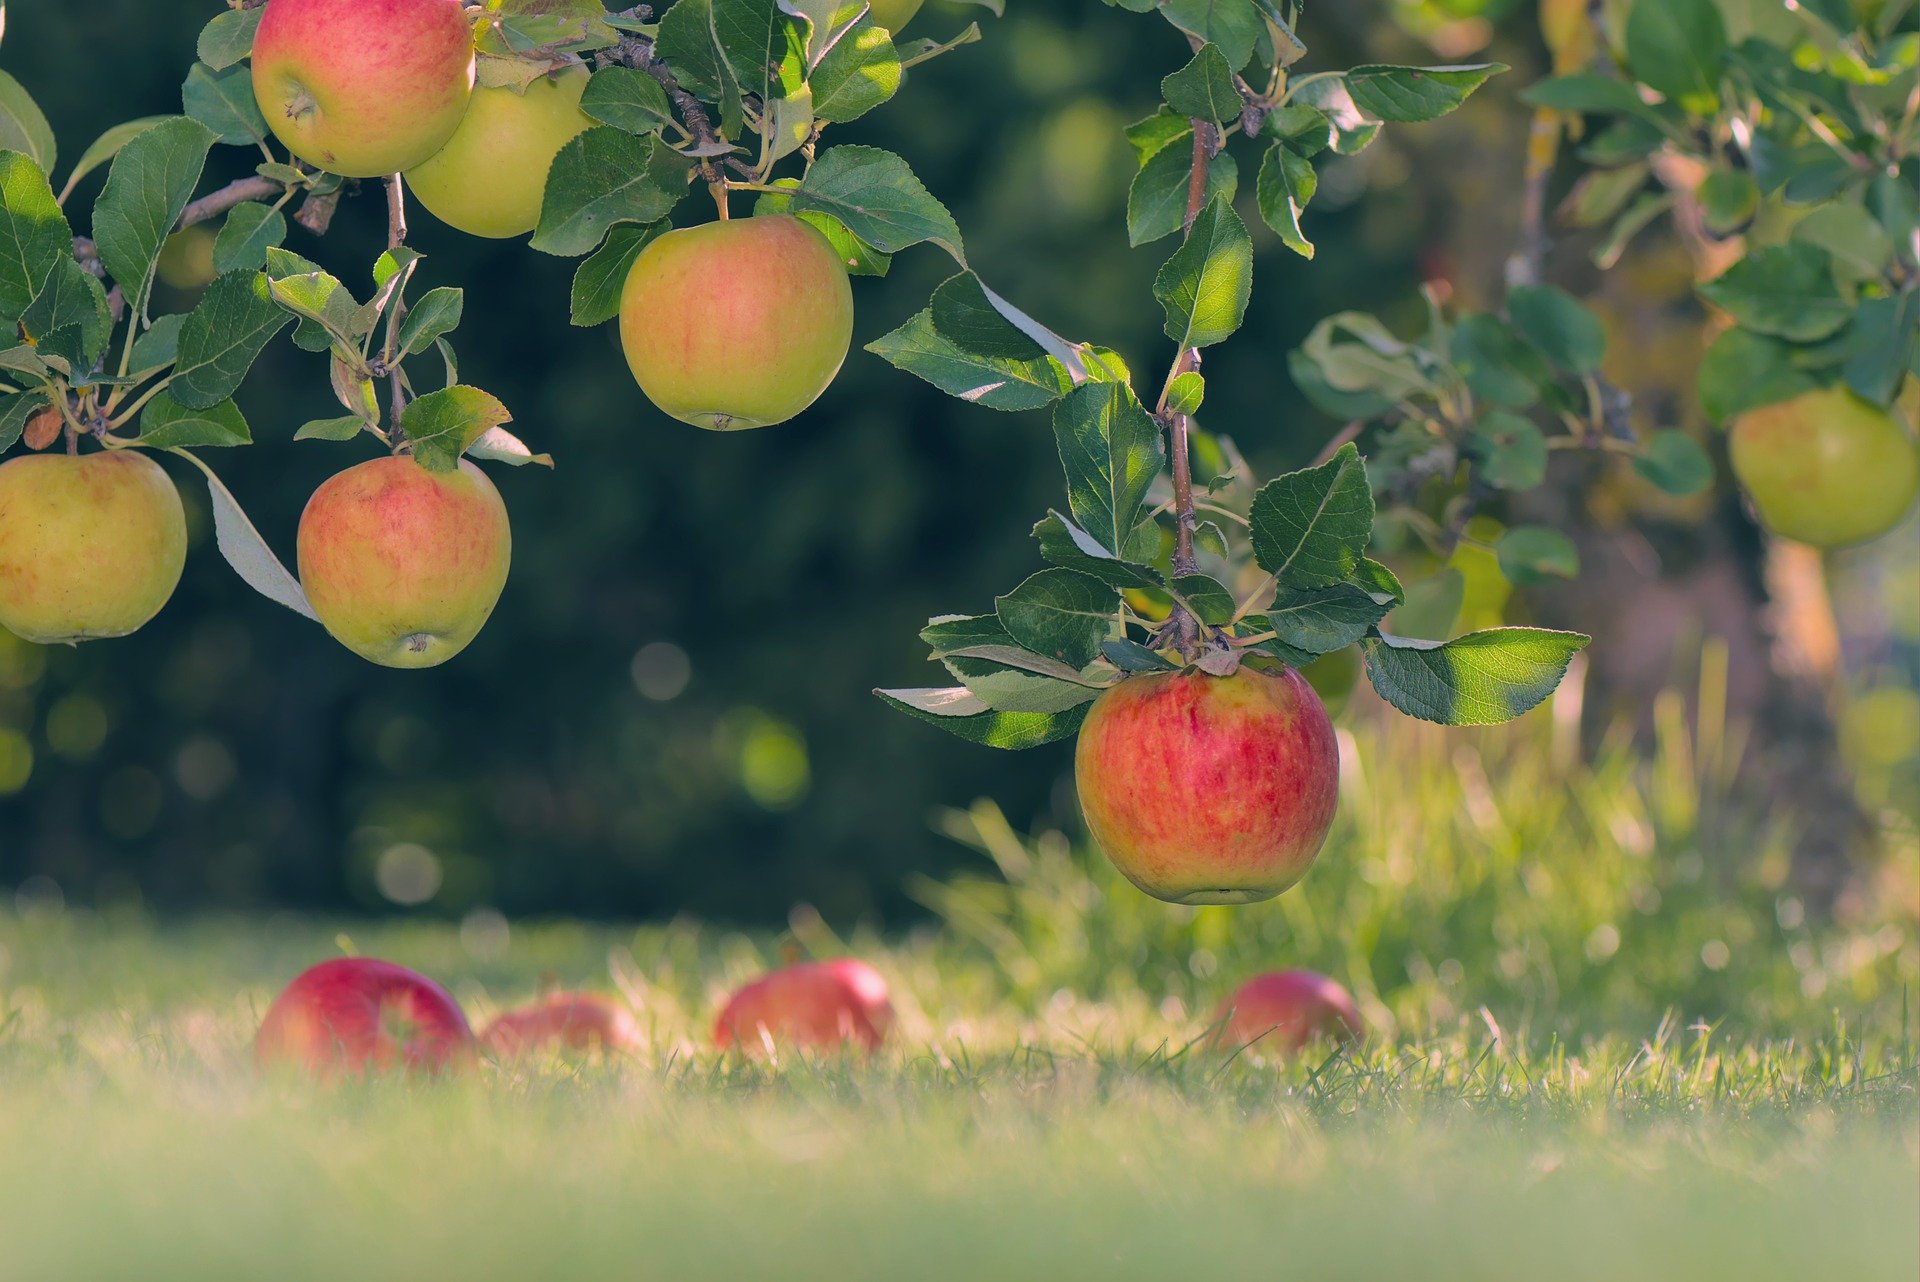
(738, 323)
(353, 1015)
(1276, 1014)
(565, 1021)
(1209, 790)
(363, 88)
(91, 545)
(491, 177)
(822, 1005)
(1826, 467)
(403, 565)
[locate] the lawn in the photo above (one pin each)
(1610, 1043)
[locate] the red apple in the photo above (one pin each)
(1275, 1014)
(353, 1015)
(363, 88)
(570, 1021)
(1209, 790)
(821, 1004)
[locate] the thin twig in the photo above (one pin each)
(215, 203)
(397, 313)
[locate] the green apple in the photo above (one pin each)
(91, 545)
(491, 177)
(1826, 468)
(737, 324)
(403, 565)
(363, 88)
(892, 14)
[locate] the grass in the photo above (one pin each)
(1611, 1042)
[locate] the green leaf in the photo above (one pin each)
(687, 45)
(626, 99)
(1603, 193)
(1675, 462)
(1287, 182)
(250, 231)
(1300, 128)
(859, 258)
(1586, 93)
(222, 337)
(223, 101)
(1415, 93)
(1186, 393)
(1728, 198)
(441, 425)
(15, 409)
(228, 38)
(1372, 577)
(498, 445)
(1630, 224)
(960, 712)
(1009, 689)
(1204, 88)
(151, 181)
(965, 316)
(1531, 554)
(1784, 290)
(1234, 26)
(108, 145)
(240, 543)
(603, 178)
(1480, 679)
(34, 236)
(159, 345)
(316, 297)
(1059, 614)
(71, 296)
(918, 348)
(1677, 47)
(1311, 527)
(1321, 620)
(1851, 235)
(1206, 284)
(1066, 545)
(23, 127)
(1743, 370)
(166, 424)
(436, 315)
(1157, 200)
(875, 196)
(1559, 325)
(1353, 133)
(1883, 344)
(1511, 451)
(600, 279)
(860, 72)
(1111, 451)
(331, 429)
(1500, 366)
(1131, 656)
(765, 47)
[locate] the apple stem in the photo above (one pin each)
(396, 237)
(719, 190)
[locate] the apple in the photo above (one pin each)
(353, 1015)
(91, 545)
(570, 1021)
(892, 14)
(1209, 790)
(491, 177)
(1826, 467)
(1275, 1014)
(363, 88)
(403, 565)
(820, 1004)
(738, 323)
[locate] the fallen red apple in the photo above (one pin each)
(1209, 790)
(821, 1004)
(1275, 1014)
(567, 1021)
(353, 1015)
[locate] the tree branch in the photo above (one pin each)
(213, 204)
(396, 314)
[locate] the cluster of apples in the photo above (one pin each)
(729, 325)
(354, 1016)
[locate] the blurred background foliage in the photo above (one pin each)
(668, 713)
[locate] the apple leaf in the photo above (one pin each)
(1131, 656)
(436, 315)
(443, 425)
(222, 337)
(1286, 183)
(1311, 527)
(1532, 554)
(1204, 88)
(1066, 545)
(859, 258)
(1006, 688)
(600, 279)
(329, 309)
(1675, 463)
(159, 345)
(1206, 284)
(967, 318)
(1743, 370)
(71, 296)
(875, 195)
(1234, 26)
(1157, 199)
(951, 632)
(1512, 452)
(108, 145)
(1111, 450)
(1557, 323)
(1186, 393)
(223, 101)
(23, 126)
(167, 424)
(1500, 366)
(151, 181)
(1059, 614)
(1784, 290)
(1480, 679)
(860, 71)
(250, 231)
(918, 348)
(331, 429)
(228, 38)
(1883, 344)
(1415, 93)
(240, 543)
(1678, 47)
(604, 177)
(34, 235)
(626, 99)
(959, 711)
(497, 445)
(1322, 620)
(15, 409)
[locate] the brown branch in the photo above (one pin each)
(397, 313)
(213, 204)
(316, 211)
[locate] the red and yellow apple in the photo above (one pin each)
(737, 324)
(403, 565)
(1826, 467)
(1275, 1014)
(91, 545)
(353, 1015)
(823, 1005)
(564, 1021)
(1209, 790)
(491, 177)
(363, 88)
